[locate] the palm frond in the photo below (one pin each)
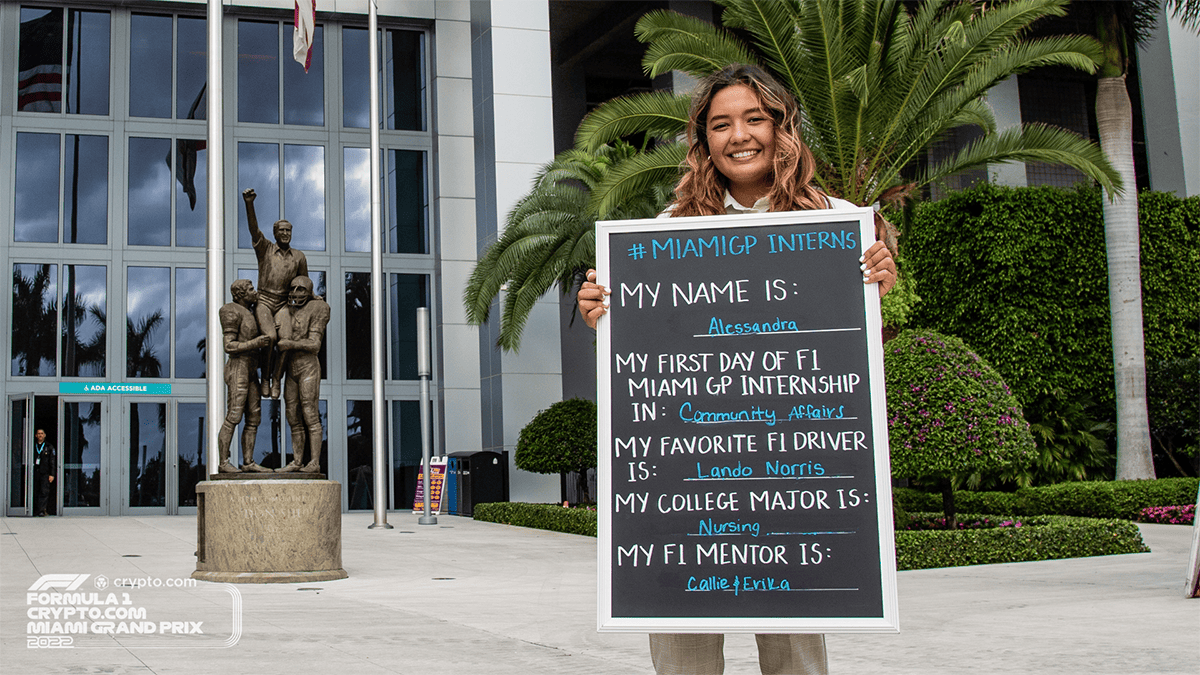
(1031, 143)
(636, 176)
(661, 115)
(687, 44)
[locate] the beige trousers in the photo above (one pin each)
(703, 654)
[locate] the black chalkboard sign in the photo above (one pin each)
(744, 480)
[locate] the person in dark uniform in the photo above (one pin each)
(45, 468)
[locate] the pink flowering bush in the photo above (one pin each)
(925, 521)
(951, 417)
(1171, 515)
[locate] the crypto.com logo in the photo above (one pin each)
(66, 582)
(58, 611)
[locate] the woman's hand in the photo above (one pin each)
(591, 298)
(879, 267)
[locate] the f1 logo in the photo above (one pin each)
(67, 582)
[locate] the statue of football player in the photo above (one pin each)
(301, 329)
(278, 264)
(242, 342)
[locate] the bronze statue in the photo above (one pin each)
(301, 329)
(278, 264)
(242, 342)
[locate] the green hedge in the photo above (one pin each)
(1038, 538)
(1092, 499)
(541, 516)
(1020, 274)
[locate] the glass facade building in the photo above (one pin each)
(104, 137)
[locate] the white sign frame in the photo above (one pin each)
(606, 622)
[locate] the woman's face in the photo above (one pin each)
(741, 141)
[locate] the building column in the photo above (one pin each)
(1005, 101)
(514, 131)
(454, 206)
(1170, 101)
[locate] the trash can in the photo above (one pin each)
(479, 477)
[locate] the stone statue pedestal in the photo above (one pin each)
(257, 528)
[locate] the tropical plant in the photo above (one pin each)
(1121, 27)
(876, 84)
(1070, 440)
(549, 236)
(560, 438)
(951, 419)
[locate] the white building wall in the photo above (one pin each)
(513, 43)
(454, 204)
(1005, 101)
(1170, 100)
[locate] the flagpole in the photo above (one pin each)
(378, 406)
(214, 345)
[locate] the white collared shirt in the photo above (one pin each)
(763, 205)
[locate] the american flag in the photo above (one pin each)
(39, 80)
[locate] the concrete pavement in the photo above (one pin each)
(464, 597)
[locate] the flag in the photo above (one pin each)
(305, 20)
(39, 80)
(187, 151)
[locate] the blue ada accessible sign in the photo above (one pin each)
(144, 389)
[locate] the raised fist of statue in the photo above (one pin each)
(248, 194)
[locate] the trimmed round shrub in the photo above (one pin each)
(560, 438)
(950, 416)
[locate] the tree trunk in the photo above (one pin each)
(948, 504)
(1114, 120)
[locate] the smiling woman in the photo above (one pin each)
(741, 138)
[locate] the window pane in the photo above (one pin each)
(189, 427)
(356, 194)
(406, 451)
(192, 69)
(87, 62)
(304, 93)
(191, 192)
(147, 454)
(190, 336)
(85, 200)
(149, 66)
(407, 292)
(40, 72)
(318, 279)
(359, 463)
(404, 60)
(149, 192)
(34, 320)
(82, 438)
(358, 325)
(148, 322)
(304, 195)
(408, 205)
(84, 319)
(37, 188)
(258, 168)
(258, 72)
(356, 103)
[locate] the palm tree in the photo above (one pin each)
(877, 85)
(549, 236)
(35, 317)
(1121, 26)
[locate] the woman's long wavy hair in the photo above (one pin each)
(701, 191)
